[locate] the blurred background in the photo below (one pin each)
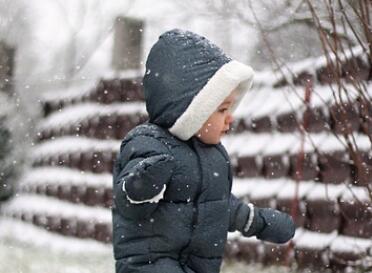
(70, 89)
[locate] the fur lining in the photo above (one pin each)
(227, 78)
(155, 199)
(250, 218)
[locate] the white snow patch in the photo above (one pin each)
(77, 92)
(312, 64)
(243, 187)
(246, 144)
(268, 101)
(257, 188)
(79, 113)
(64, 176)
(73, 92)
(288, 191)
(65, 145)
(124, 74)
(266, 144)
(36, 204)
(268, 188)
(351, 244)
(315, 240)
(356, 193)
(30, 234)
(322, 191)
(280, 143)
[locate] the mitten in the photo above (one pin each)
(145, 181)
(270, 225)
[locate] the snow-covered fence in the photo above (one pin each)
(69, 188)
(126, 88)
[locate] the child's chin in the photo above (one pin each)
(215, 141)
(211, 141)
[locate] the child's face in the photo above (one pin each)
(218, 123)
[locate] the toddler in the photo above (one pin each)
(172, 179)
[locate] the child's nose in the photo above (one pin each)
(229, 119)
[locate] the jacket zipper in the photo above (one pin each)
(185, 251)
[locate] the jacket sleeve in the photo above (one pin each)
(265, 223)
(142, 172)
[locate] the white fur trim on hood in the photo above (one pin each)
(226, 79)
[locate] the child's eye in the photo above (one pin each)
(223, 110)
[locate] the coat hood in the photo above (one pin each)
(186, 79)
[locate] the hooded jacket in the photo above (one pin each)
(173, 204)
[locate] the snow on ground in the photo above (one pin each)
(28, 249)
(20, 257)
(16, 257)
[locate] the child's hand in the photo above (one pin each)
(271, 225)
(145, 181)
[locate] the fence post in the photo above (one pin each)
(127, 44)
(7, 54)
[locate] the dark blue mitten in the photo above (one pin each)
(271, 225)
(145, 182)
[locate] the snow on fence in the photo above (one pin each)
(68, 189)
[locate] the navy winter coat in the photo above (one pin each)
(173, 204)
